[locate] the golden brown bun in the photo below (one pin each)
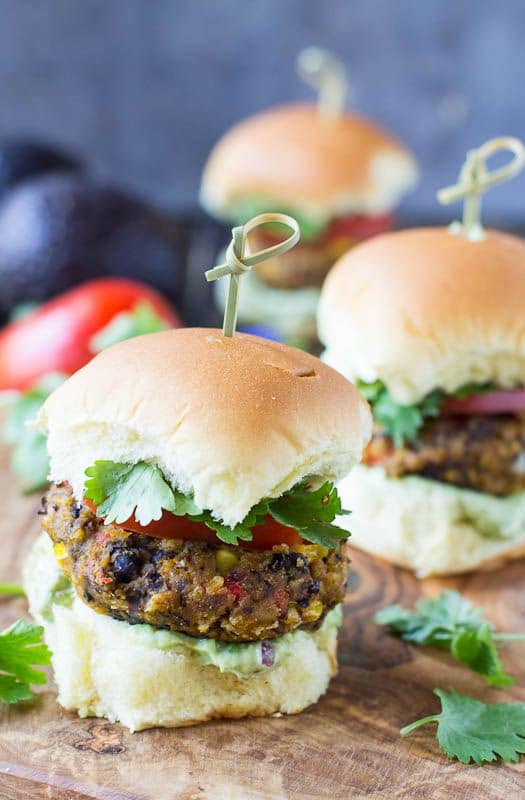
(292, 156)
(228, 420)
(426, 308)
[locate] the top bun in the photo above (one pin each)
(229, 420)
(425, 309)
(295, 158)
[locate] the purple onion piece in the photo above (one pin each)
(267, 654)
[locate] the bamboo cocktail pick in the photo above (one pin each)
(475, 178)
(238, 261)
(327, 74)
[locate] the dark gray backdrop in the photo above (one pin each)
(143, 87)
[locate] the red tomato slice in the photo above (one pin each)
(359, 227)
(169, 526)
(56, 337)
(502, 401)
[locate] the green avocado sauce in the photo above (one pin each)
(241, 659)
(494, 517)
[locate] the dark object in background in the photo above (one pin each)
(21, 159)
(61, 229)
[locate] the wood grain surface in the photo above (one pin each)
(347, 746)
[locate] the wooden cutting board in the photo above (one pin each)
(347, 746)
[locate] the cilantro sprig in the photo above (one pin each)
(311, 513)
(21, 649)
(450, 622)
(403, 422)
(29, 459)
(140, 320)
(470, 730)
(120, 491)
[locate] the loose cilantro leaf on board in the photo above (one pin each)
(473, 731)
(449, 621)
(120, 491)
(29, 459)
(21, 649)
(140, 320)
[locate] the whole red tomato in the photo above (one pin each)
(56, 337)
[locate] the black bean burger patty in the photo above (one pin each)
(201, 589)
(482, 452)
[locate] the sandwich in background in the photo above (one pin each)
(431, 325)
(338, 173)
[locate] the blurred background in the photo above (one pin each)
(109, 110)
(142, 89)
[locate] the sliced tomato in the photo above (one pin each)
(56, 336)
(270, 533)
(360, 227)
(169, 526)
(502, 401)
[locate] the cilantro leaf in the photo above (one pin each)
(247, 207)
(434, 621)
(140, 320)
(310, 513)
(477, 650)
(21, 649)
(449, 621)
(243, 530)
(299, 507)
(472, 388)
(473, 731)
(431, 404)
(400, 422)
(120, 491)
(225, 533)
(370, 391)
(29, 459)
(403, 422)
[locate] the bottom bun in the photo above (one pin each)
(143, 677)
(431, 527)
(292, 312)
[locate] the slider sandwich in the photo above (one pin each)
(338, 173)
(430, 323)
(189, 566)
